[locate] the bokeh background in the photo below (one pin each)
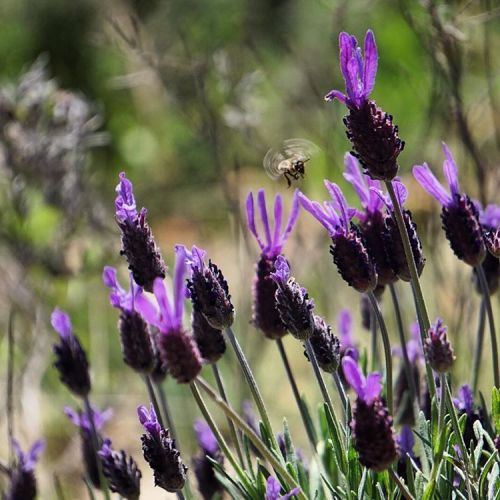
(186, 97)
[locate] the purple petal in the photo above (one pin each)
(373, 388)
(106, 449)
(273, 488)
(347, 45)
(466, 399)
(61, 323)
(406, 441)
(278, 213)
(336, 94)
(371, 62)
(109, 277)
(401, 192)
(73, 415)
(251, 220)
(354, 176)
(340, 202)
(292, 219)
(490, 216)
(428, 181)
(147, 310)
(450, 170)
(205, 437)
(166, 313)
(198, 255)
(179, 285)
(354, 84)
(282, 271)
(344, 326)
(125, 202)
(353, 375)
(315, 209)
(261, 202)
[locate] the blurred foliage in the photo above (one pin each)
(191, 96)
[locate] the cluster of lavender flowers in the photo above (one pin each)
(373, 247)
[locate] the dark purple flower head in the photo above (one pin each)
(137, 345)
(490, 220)
(71, 360)
(160, 452)
(348, 249)
(366, 388)
(438, 349)
(138, 244)
(22, 478)
(273, 490)
(359, 75)
(121, 471)
(292, 301)
(465, 400)
(275, 238)
(82, 421)
(459, 214)
(208, 289)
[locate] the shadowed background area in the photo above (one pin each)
(186, 97)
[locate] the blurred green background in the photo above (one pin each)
(186, 97)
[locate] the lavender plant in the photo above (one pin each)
(384, 447)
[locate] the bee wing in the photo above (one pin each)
(300, 149)
(271, 163)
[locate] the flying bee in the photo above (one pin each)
(290, 159)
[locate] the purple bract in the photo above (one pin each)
(367, 388)
(273, 489)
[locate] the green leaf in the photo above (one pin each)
(495, 408)
(308, 422)
(484, 472)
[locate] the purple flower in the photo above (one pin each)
(359, 75)
(465, 400)
(348, 249)
(82, 421)
(71, 360)
(413, 346)
(205, 437)
(344, 327)
(490, 216)
(274, 239)
(138, 244)
(121, 471)
(366, 388)
(437, 348)
(273, 489)
(459, 214)
(22, 477)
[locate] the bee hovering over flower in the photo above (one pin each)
(290, 159)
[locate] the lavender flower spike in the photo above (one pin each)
(359, 75)
(22, 478)
(121, 471)
(371, 131)
(371, 424)
(265, 316)
(348, 249)
(137, 346)
(160, 452)
(138, 244)
(437, 348)
(459, 215)
(292, 302)
(177, 348)
(273, 489)
(71, 360)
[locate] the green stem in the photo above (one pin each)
(406, 360)
(232, 429)
(296, 394)
(418, 296)
(404, 490)
(345, 404)
(154, 401)
(95, 445)
(254, 388)
(375, 362)
(491, 321)
(324, 390)
(245, 428)
(166, 411)
(218, 436)
(387, 350)
(479, 347)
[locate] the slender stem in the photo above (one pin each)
(323, 389)
(345, 403)
(154, 401)
(166, 410)
(254, 388)
(296, 394)
(245, 428)
(479, 347)
(232, 429)
(95, 445)
(491, 321)
(375, 362)
(10, 385)
(387, 350)
(404, 490)
(418, 296)
(404, 350)
(58, 488)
